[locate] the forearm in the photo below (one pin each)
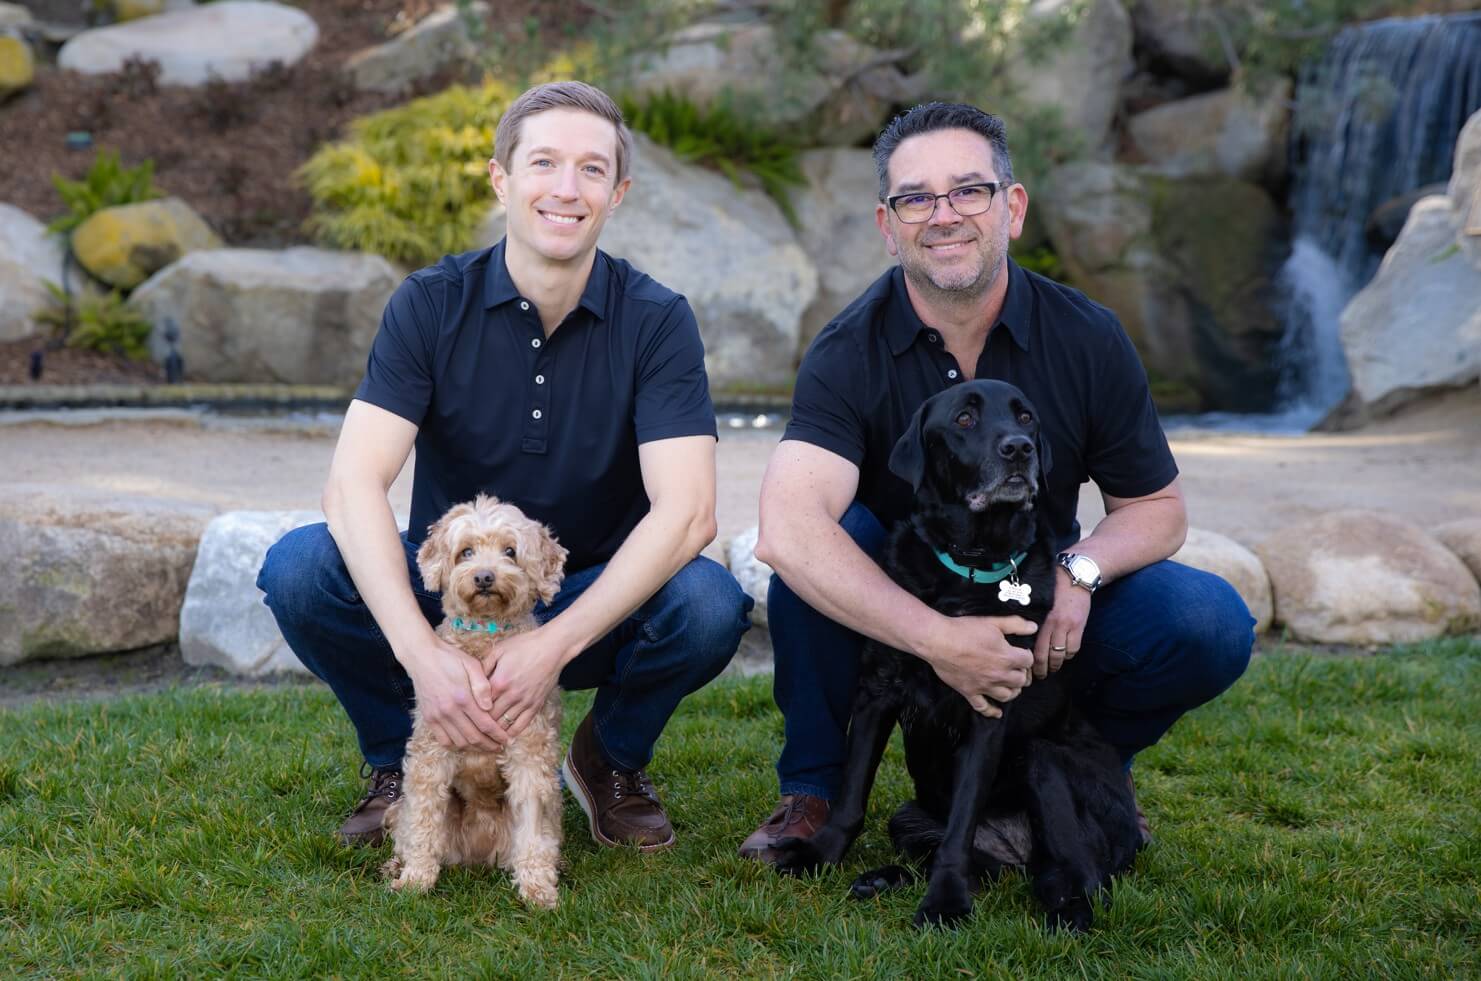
(363, 526)
(1135, 535)
(659, 546)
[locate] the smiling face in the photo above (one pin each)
(560, 185)
(949, 256)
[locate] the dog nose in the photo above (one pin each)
(484, 579)
(1016, 448)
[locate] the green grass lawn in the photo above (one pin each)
(1321, 820)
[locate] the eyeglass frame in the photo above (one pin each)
(993, 187)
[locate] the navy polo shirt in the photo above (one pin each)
(875, 363)
(550, 424)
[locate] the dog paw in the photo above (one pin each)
(796, 856)
(877, 881)
(414, 881)
(543, 896)
(391, 868)
(946, 905)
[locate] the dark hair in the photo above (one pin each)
(561, 95)
(932, 116)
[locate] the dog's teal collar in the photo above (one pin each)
(473, 626)
(997, 573)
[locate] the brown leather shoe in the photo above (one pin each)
(1141, 819)
(797, 816)
(365, 825)
(621, 805)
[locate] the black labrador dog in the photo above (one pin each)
(976, 545)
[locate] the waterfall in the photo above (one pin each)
(1376, 116)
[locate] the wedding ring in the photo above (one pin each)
(1053, 648)
(507, 721)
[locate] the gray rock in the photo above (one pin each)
(1187, 264)
(844, 97)
(229, 39)
(1181, 35)
(728, 249)
(1082, 76)
(1236, 565)
(13, 15)
(299, 316)
(1218, 134)
(223, 621)
(1362, 577)
(1416, 327)
(92, 581)
(835, 224)
(434, 44)
(1464, 539)
(28, 258)
(753, 575)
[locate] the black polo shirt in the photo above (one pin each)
(875, 363)
(550, 424)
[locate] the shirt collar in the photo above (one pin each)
(1016, 316)
(499, 288)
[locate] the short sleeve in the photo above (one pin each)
(399, 372)
(824, 410)
(673, 390)
(1127, 454)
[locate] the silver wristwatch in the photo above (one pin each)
(1082, 569)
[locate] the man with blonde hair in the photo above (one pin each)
(547, 373)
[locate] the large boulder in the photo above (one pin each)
(1181, 37)
(1188, 266)
(436, 43)
(728, 249)
(841, 97)
(92, 581)
(1464, 539)
(1236, 565)
(835, 224)
(14, 16)
(1362, 577)
(753, 575)
(29, 257)
(223, 621)
(299, 316)
(126, 244)
(1227, 133)
(1415, 329)
(17, 66)
(229, 39)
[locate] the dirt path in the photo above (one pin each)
(1424, 465)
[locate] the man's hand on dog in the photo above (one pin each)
(454, 697)
(1059, 639)
(973, 656)
(526, 668)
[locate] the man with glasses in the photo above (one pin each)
(1154, 639)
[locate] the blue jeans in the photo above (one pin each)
(672, 645)
(1159, 642)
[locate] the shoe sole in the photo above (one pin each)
(578, 790)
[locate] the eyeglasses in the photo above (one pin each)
(967, 200)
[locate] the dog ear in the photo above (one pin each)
(434, 557)
(908, 458)
(1046, 459)
(552, 566)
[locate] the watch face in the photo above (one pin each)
(1084, 568)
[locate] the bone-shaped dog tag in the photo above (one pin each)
(1014, 591)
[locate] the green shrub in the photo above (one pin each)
(107, 183)
(721, 138)
(411, 182)
(98, 323)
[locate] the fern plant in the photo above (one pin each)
(410, 182)
(98, 323)
(107, 183)
(719, 137)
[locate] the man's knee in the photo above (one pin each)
(300, 569)
(1214, 626)
(705, 603)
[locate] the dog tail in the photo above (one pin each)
(916, 834)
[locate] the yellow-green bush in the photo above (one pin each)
(410, 183)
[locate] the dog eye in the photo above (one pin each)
(1024, 418)
(509, 551)
(965, 420)
(465, 554)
